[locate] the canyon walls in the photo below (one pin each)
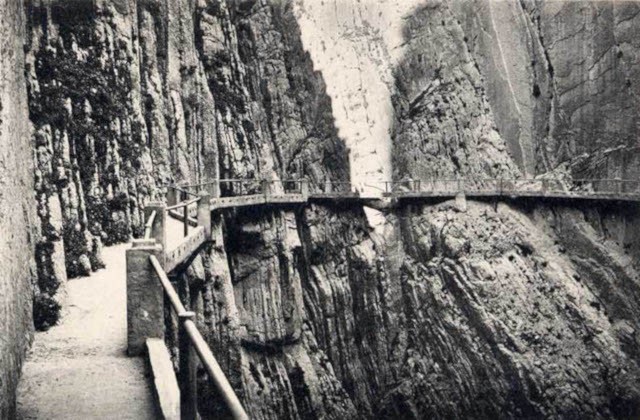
(481, 94)
(476, 309)
(17, 216)
(128, 96)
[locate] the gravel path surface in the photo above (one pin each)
(79, 369)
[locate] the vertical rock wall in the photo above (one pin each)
(17, 217)
(528, 281)
(127, 96)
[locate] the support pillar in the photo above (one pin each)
(214, 189)
(187, 378)
(204, 213)
(145, 296)
(461, 202)
(304, 188)
(266, 189)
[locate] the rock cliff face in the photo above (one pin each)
(127, 96)
(444, 310)
(17, 218)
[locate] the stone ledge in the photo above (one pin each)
(165, 384)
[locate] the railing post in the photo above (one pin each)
(187, 378)
(204, 213)
(158, 229)
(545, 186)
(172, 197)
(185, 220)
(266, 189)
(304, 188)
(214, 190)
(145, 297)
(328, 186)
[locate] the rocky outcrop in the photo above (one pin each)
(497, 58)
(17, 218)
(502, 322)
(445, 127)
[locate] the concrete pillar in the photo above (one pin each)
(145, 296)
(304, 188)
(187, 372)
(204, 213)
(328, 187)
(461, 202)
(158, 230)
(266, 188)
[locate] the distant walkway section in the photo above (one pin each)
(79, 369)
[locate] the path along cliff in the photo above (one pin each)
(327, 311)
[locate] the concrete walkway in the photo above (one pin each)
(79, 369)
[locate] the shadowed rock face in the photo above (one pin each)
(17, 216)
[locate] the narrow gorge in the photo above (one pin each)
(448, 309)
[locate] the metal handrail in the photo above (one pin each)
(201, 347)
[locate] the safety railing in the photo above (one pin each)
(148, 287)
(336, 187)
(609, 188)
(244, 192)
(192, 344)
(186, 216)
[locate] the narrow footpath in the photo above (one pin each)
(79, 369)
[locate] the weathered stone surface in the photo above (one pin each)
(17, 202)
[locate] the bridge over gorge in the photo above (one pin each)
(177, 228)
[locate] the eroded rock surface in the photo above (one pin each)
(128, 96)
(17, 217)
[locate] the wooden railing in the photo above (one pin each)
(149, 224)
(190, 344)
(148, 262)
